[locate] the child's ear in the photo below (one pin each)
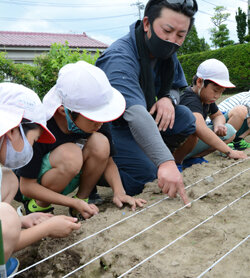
(13, 133)
(61, 110)
(199, 81)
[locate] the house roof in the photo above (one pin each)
(32, 39)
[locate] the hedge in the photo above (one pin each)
(235, 57)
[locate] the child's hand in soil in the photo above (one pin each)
(120, 199)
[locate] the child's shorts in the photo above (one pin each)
(46, 166)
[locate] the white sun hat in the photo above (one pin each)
(17, 102)
(10, 117)
(215, 71)
(84, 88)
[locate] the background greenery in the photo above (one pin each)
(43, 74)
(235, 57)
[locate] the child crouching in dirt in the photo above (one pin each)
(22, 122)
(210, 81)
(236, 110)
(78, 109)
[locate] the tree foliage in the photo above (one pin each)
(241, 19)
(49, 64)
(220, 36)
(219, 17)
(193, 43)
(220, 33)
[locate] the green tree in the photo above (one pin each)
(220, 33)
(219, 17)
(220, 36)
(241, 19)
(193, 44)
(204, 45)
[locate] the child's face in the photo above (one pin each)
(211, 93)
(87, 125)
(16, 140)
(34, 134)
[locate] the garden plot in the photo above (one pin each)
(164, 239)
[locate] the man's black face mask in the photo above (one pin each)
(160, 48)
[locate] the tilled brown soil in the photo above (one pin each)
(188, 246)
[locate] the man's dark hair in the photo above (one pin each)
(206, 81)
(28, 125)
(154, 7)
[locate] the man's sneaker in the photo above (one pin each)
(12, 266)
(94, 198)
(31, 206)
(241, 145)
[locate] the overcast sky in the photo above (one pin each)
(105, 20)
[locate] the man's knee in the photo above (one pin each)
(184, 120)
(11, 228)
(135, 173)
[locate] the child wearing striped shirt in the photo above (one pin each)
(237, 108)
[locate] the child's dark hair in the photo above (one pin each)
(28, 125)
(154, 7)
(206, 81)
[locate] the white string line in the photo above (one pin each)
(149, 227)
(120, 221)
(183, 235)
(236, 246)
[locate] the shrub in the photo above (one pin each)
(42, 76)
(48, 65)
(18, 73)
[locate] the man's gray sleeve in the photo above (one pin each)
(146, 134)
(175, 94)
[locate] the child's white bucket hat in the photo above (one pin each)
(10, 117)
(214, 70)
(84, 88)
(17, 102)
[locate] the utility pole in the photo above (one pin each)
(140, 7)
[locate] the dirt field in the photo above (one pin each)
(187, 252)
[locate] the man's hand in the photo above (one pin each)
(85, 209)
(220, 130)
(33, 219)
(61, 226)
(120, 199)
(237, 154)
(165, 113)
(170, 181)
